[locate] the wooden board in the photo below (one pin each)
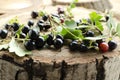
(48, 64)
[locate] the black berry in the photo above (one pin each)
(29, 45)
(89, 34)
(58, 43)
(50, 39)
(25, 29)
(45, 17)
(33, 34)
(39, 43)
(112, 45)
(59, 36)
(30, 23)
(15, 26)
(83, 48)
(3, 34)
(34, 14)
(73, 45)
(22, 35)
(40, 25)
(47, 26)
(7, 26)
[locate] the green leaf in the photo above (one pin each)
(95, 17)
(4, 46)
(18, 48)
(99, 25)
(118, 29)
(70, 23)
(95, 38)
(73, 34)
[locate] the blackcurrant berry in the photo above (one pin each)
(40, 25)
(25, 29)
(22, 35)
(45, 17)
(59, 36)
(30, 23)
(39, 43)
(83, 48)
(60, 11)
(34, 14)
(40, 21)
(7, 26)
(89, 34)
(50, 39)
(15, 26)
(58, 43)
(46, 26)
(3, 34)
(33, 34)
(29, 45)
(61, 20)
(104, 47)
(112, 45)
(73, 45)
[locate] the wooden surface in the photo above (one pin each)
(49, 64)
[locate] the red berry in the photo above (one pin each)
(103, 47)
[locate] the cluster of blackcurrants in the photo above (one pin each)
(85, 46)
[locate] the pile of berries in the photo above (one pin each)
(33, 39)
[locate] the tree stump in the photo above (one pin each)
(100, 5)
(49, 64)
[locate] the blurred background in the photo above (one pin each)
(12, 7)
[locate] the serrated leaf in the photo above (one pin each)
(95, 38)
(70, 23)
(4, 46)
(15, 47)
(118, 29)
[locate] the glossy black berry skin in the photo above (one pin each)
(89, 34)
(34, 14)
(3, 34)
(58, 43)
(25, 29)
(29, 45)
(45, 17)
(15, 26)
(107, 18)
(83, 48)
(59, 36)
(30, 23)
(40, 25)
(22, 35)
(40, 21)
(46, 26)
(49, 40)
(33, 34)
(112, 45)
(73, 46)
(7, 26)
(39, 43)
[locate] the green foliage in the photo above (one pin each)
(95, 18)
(17, 48)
